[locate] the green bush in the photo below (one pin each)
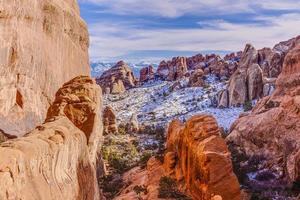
(144, 158)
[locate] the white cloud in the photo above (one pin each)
(175, 8)
(110, 40)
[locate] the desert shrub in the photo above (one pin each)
(111, 185)
(138, 189)
(120, 154)
(265, 176)
(247, 106)
(272, 104)
(122, 129)
(144, 158)
(168, 189)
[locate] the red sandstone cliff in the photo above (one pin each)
(43, 45)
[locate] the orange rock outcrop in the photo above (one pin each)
(57, 159)
(271, 131)
(198, 157)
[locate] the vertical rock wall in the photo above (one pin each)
(43, 44)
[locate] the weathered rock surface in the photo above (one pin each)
(43, 44)
(174, 69)
(109, 120)
(197, 78)
(256, 66)
(117, 79)
(148, 178)
(247, 70)
(57, 159)
(198, 156)
(147, 74)
(271, 131)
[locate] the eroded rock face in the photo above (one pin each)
(147, 74)
(117, 79)
(271, 131)
(43, 44)
(251, 79)
(198, 156)
(247, 70)
(109, 120)
(197, 78)
(174, 69)
(57, 159)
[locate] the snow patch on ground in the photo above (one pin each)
(159, 102)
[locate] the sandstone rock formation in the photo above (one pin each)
(198, 156)
(174, 69)
(194, 61)
(255, 74)
(248, 70)
(146, 74)
(109, 120)
(117, 79)
(197, 78)
(57, 159)
(271, 131)
(43, 44)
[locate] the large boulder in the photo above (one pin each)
(117, 79)
(43, 44)
(57, 159)
(198, 157)
(270, 133)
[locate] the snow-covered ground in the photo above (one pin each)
(159, 102)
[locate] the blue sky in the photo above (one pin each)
(155, 29)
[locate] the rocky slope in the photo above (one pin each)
(270, 136)
(43, 45)
(197, 159)
(57, 160)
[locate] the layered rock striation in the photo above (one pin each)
(43, 44)
(57, 159)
